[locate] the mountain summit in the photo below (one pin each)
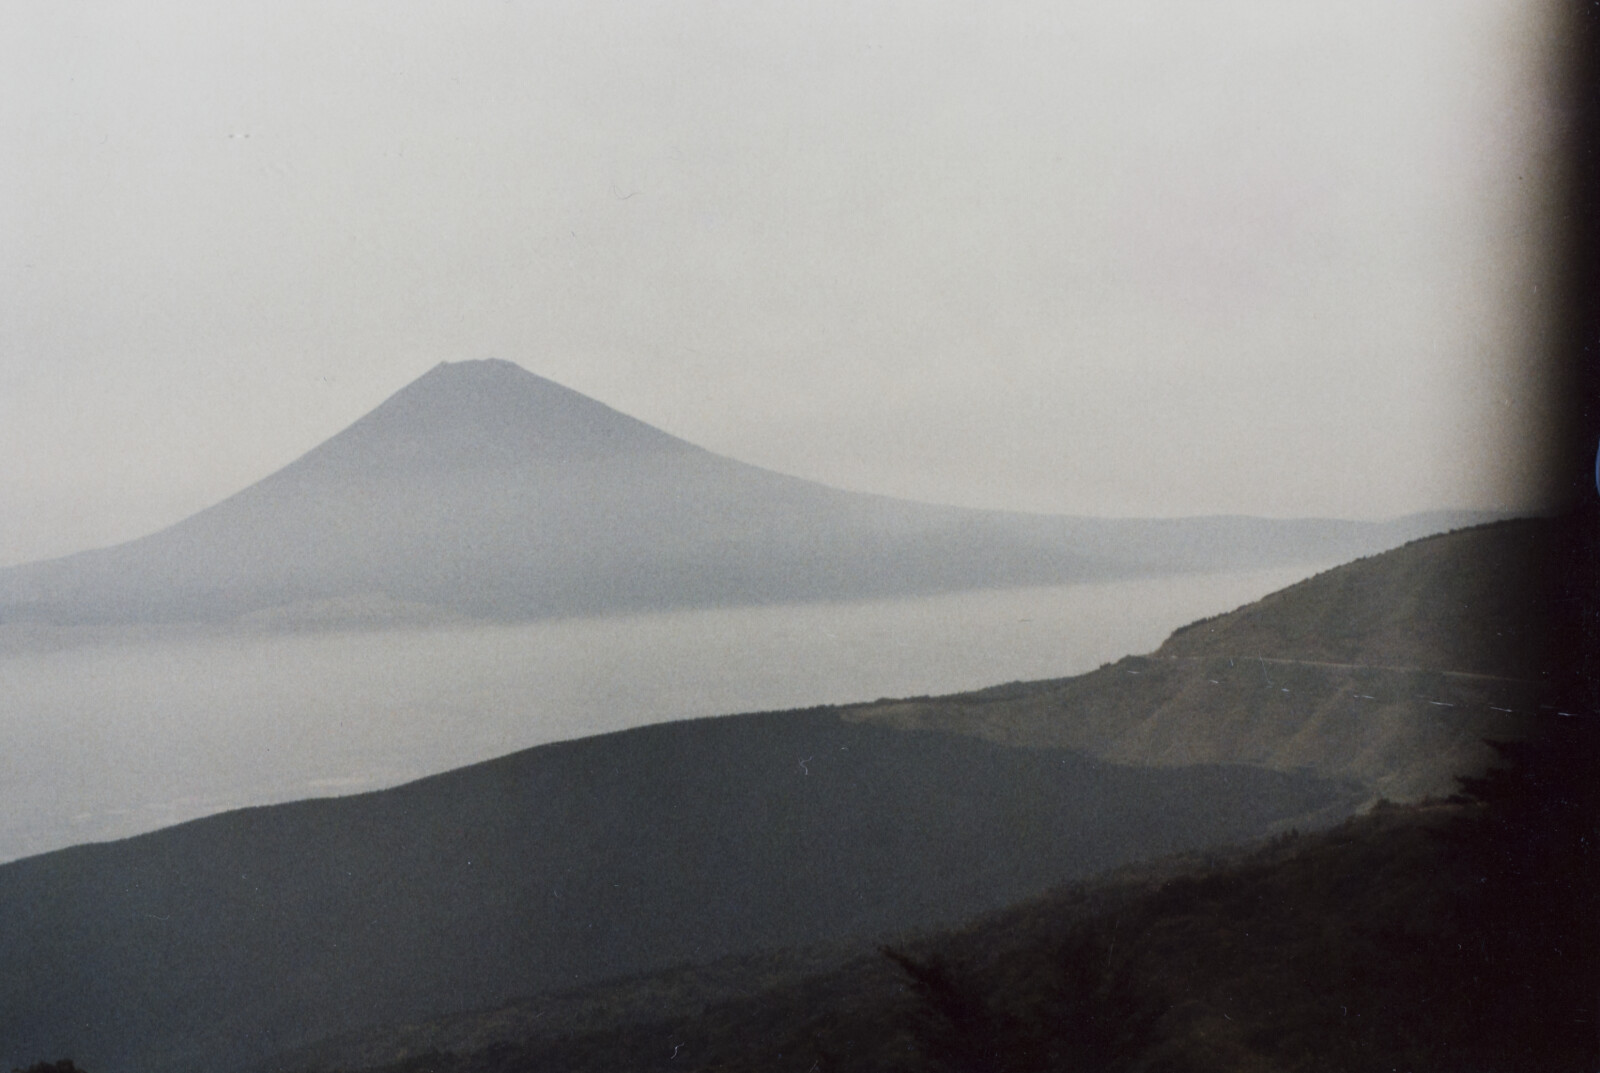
(482, 489)
(485, 414)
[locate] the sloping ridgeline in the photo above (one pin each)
(232, 938)
(1390, 671)
(1441, 935)
(219, 942)
(1376, 945)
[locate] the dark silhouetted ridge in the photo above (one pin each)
(218, 942)
(684, 843)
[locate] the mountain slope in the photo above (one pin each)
(1453, 935)
(224, 940)
(484, 490)
(1390, 671)
(238, 936)
(1369, 946)
(1471, 602)
(1372, 946)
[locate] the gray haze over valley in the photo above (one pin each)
(489, 560)
(105, 740)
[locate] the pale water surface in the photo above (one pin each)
(108, 740)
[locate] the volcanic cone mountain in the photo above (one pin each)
(481, 489)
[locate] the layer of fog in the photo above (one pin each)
(108, 740)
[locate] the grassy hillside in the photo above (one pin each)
(1473, 601)
(1391, 670)
(1406, 939)
(1404, 735)
(1444, 936)
(227, 939)
(518, 886)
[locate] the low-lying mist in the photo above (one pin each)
(109, 739)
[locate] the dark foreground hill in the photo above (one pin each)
(1403, 940)
(222, 941)
(1447, 937)
(486, 491)
(232, 938)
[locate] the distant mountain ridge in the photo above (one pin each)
(483, 490)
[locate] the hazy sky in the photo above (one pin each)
(1123, 257)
